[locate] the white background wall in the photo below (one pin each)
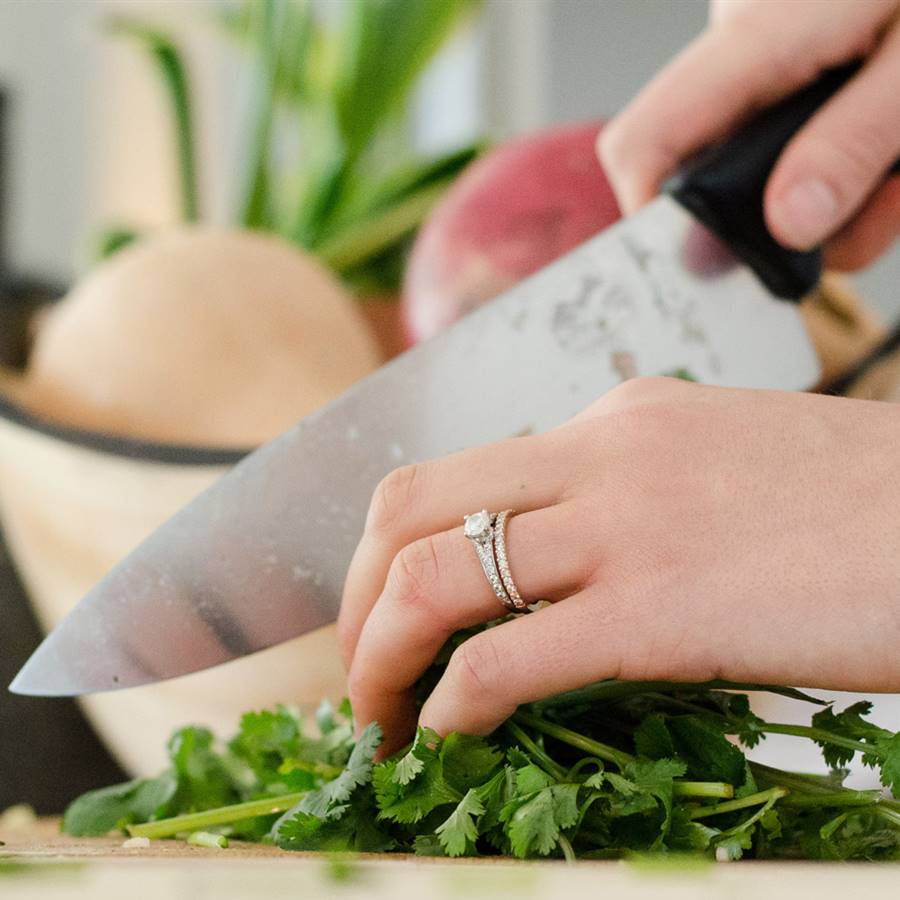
(90, 144)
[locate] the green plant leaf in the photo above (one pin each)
(266, 27)
(170, 65)
(386, 45)
(457, 833)
(383, 221)
(534, 825)
(99, 812)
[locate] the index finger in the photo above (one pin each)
(737, 66)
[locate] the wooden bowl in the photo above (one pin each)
(73, 503)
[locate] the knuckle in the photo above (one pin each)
(393, 497)
(414, 575)
(639, 391)
(476, 667)
(857, 157)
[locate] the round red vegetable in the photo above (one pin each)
(511, 213)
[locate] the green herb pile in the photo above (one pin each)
(613, 769)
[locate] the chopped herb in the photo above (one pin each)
(618, 769)
(207, 839)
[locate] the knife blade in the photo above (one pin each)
(261, 556)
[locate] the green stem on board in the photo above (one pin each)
(210, 818)
(207, 839)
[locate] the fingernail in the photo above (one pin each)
(807, 213)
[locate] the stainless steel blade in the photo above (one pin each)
(261, 556)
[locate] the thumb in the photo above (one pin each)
(827, 172)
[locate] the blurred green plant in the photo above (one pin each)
(334, 83)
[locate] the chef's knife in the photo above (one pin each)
(261, 556)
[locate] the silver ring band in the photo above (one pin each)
(503, 562)
(479, 528)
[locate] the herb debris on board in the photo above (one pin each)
(606, 771)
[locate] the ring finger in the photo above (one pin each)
(428, 498)
(436, 586)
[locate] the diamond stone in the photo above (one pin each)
(477, 525)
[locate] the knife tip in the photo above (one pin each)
(19, 685)
(32, 681)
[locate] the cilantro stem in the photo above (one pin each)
(581, 765)
(775, 794)
(566, 847)
(762, 797)
(703, 789)
(610, 754)
(612, 691)
(546, 763)
(617, 757)
(812, 786)
(889, 814)
(209, 818)
(817, 734)
(833, 799)
(809, 784)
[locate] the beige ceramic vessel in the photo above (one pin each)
(72, 511)
(196, 343)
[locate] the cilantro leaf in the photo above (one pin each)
(849, 724)
(266, 739)
(531, 778)
(686, 834)
(534, 824)
(413, 762)
(349, 827)
(494, 795)
(357, 772)
(655, 777)
(329, 802)
(889, 751)
(468, 761)
(706, 750)
(204, 782)
(458, 832)
(428, 845)
(463, 795)
(99, 812)
(410, 802)
(652, 738)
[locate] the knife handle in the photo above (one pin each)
(723, 187)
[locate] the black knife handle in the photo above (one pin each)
(723, 187)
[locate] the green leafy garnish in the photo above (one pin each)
(615, 769)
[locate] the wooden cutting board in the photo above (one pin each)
(38, 863)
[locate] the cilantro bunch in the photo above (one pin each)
(609, 770)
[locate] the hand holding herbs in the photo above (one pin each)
(609, 770)
(680, 532)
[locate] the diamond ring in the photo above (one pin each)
(479, 529)
(503, 561)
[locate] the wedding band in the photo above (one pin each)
(503, 561)
(479, 528)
